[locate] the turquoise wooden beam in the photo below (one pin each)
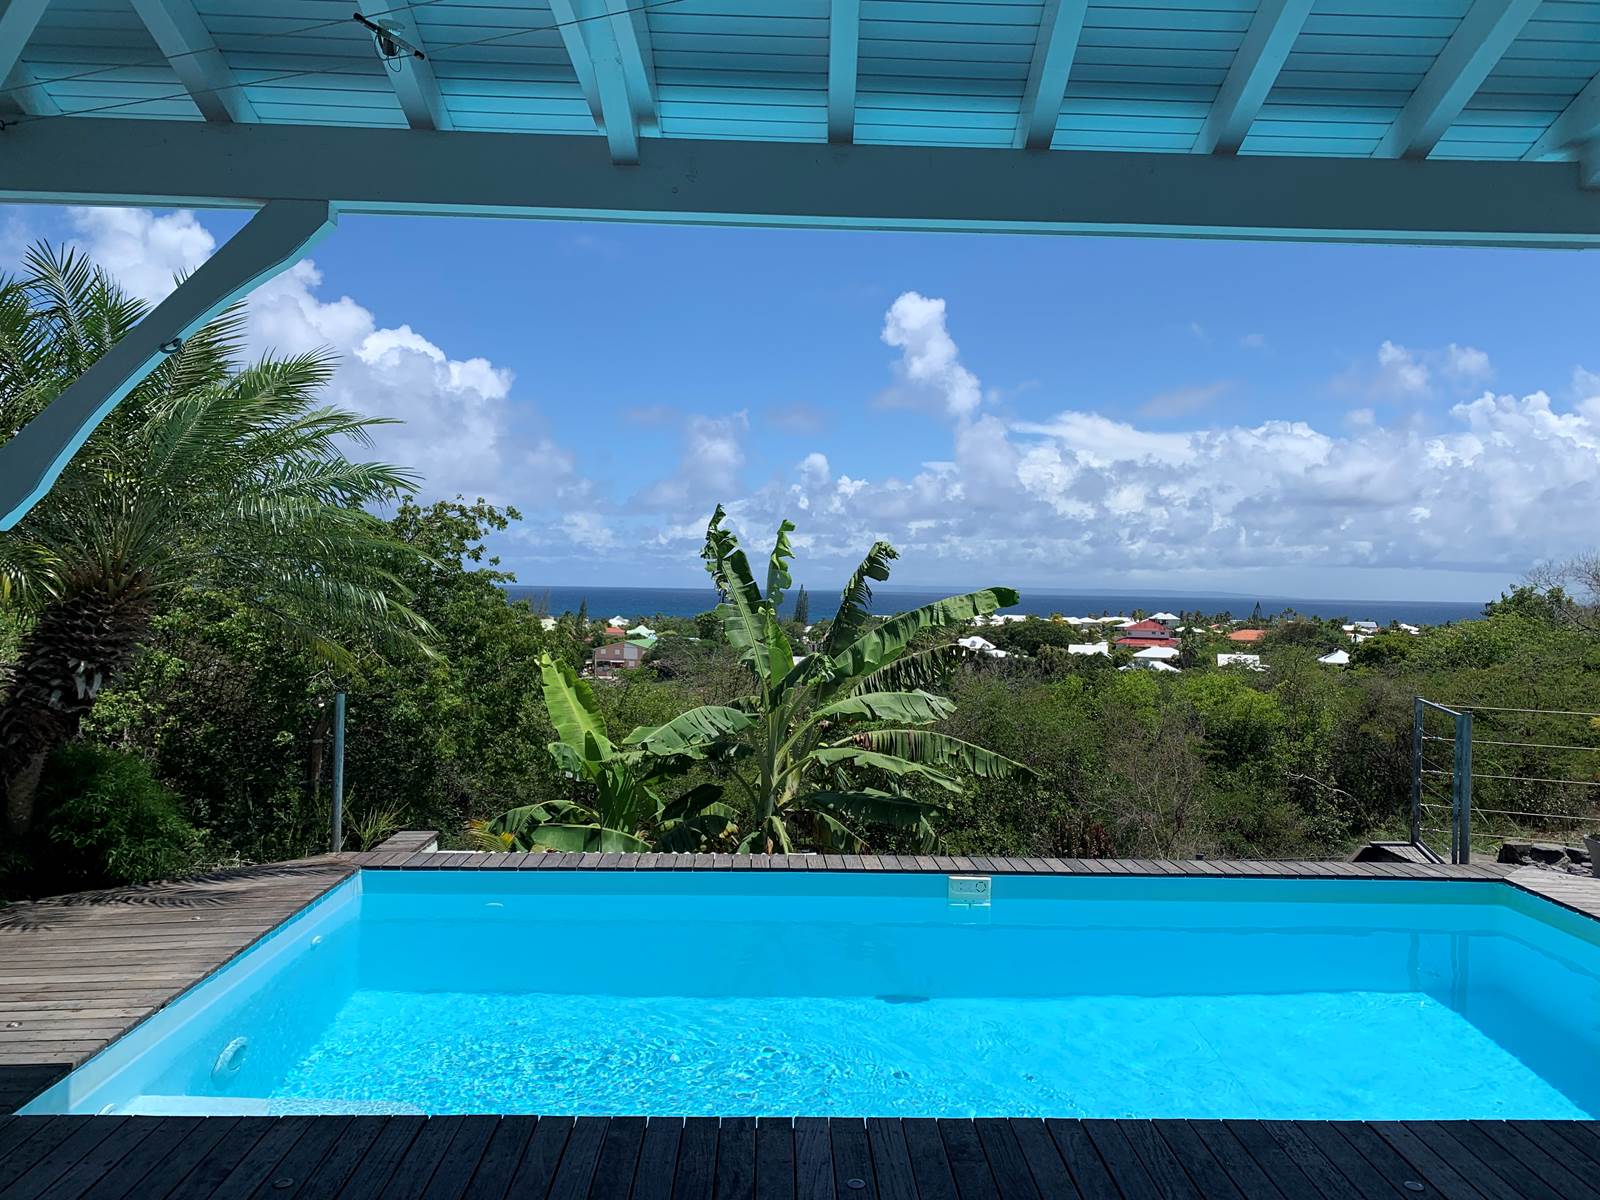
(608, 42)
(844, 60)
(1578, 125)
(1482, 37)
(1060, 27)
(274, 239)
(412, 78)
(186, 43)
(715, 182)
(18, 20)
(1255, 68)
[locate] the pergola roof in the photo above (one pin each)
(1442, 121)
(584, 88)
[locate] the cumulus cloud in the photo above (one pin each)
(929, 365)
(455, 412)
(1503, 481)
(708, 469)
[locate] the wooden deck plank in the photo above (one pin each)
(1083, 1161)
(1243, 1172)
(388, 1149)
(601, 1158)
(1007, 1163)
(852, 1159)
(930, 1166)
(461, 1158)
(1427, 1164)
(813, 1160)
(736, 1159)
(82, 1158)
(658, 1159)
(1160, 1161)
(619, 1159)
(697, 1160)
(582, 1156)
(543, 1156)
(968, 1166)
(774, 1159)
(891, 1162)
(327, 1177)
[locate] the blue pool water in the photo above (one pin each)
(831, 995)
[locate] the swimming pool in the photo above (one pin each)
(850, 994)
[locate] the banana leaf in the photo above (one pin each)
(941, 750)
(691, 732)
(920, 671)
(778, 577)
(574, 711)
(852, 616)
(831, 755)
(878, 648)
(873, 806)
(918, 708)
(587, 838)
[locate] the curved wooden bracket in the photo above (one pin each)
(270, 242)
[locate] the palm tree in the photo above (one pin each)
(210, 473)
(617, 809)
(810, 747)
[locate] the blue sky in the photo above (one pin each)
(1339, 421)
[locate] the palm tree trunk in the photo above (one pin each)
(72, 653)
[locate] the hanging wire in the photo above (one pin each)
(1539, 712)
(351, 70)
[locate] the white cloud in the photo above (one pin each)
(1506, 480)
(455, 411)
(1254, 341)
(709, 467)
(929, 361)
(1401, 370)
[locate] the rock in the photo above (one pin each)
(1548, 853)
(1514, 852)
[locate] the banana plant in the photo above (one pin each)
(836, 740)
(619, 809)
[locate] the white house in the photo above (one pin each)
(1157, 653)
(547, 623)
(982, 646)
(1164, 617)
(1338, 658)
(619, 622)
(1251, 662)
(1151, 664)
(641, 630)
(1102, 648)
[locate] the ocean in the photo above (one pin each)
(635, 603)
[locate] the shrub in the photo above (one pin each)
(108, 821)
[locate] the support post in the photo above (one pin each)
(1416, 771)
(33, 459)
(338, 772)
(1463, 788)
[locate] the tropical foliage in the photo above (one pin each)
(835, 740)
(615, 805)
(211, 473)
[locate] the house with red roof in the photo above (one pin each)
(1142, 634)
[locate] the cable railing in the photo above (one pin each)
(1484, 773)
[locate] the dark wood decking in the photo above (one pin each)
(704, 1158)
(77, 972)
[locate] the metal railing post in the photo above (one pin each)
(1463, 782)
(338, 772)
(1416, 772)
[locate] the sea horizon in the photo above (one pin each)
(637, 603)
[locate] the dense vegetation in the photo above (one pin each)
(177, 615)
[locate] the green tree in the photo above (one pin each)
(802, 609)
(837, 739)
(210, 472)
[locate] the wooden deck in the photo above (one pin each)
(704, 1158)
(79, 971)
